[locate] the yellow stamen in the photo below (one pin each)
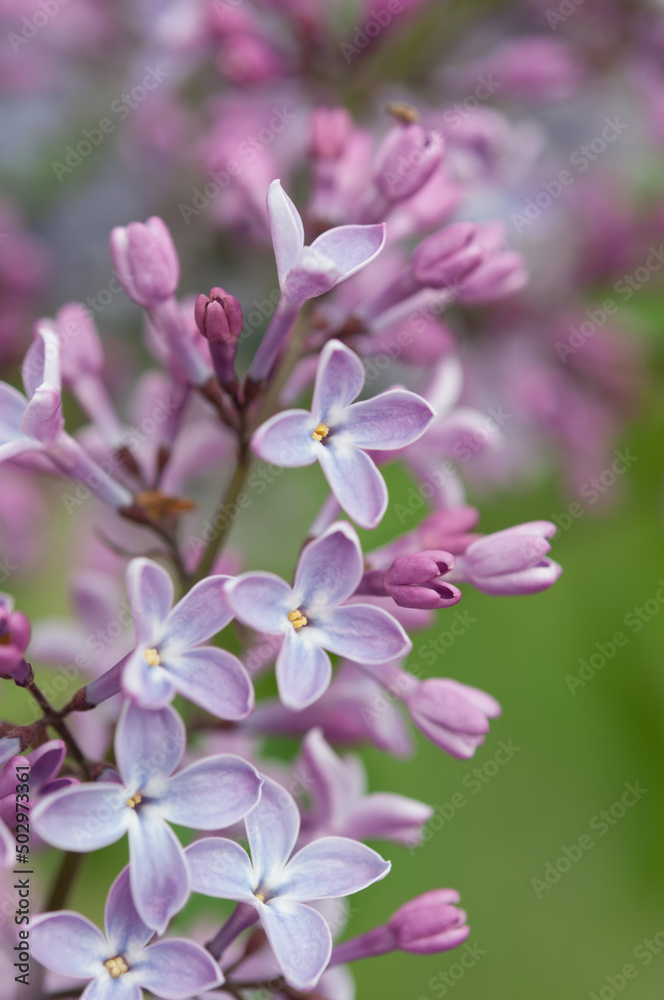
(152, 657)
(320, 432)
(297, 619)
(259, 895)
(116, 966)
(134, 800)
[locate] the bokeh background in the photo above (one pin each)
(579, 745)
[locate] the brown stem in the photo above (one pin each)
(54, 719)
(69, 867)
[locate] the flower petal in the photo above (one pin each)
(364, 633)
(331, 867)
(286, 439)
(176, 969)
(12, 407)
(351, 248)
(287, 229)
(125, 931)
(393, 419)
(339, 380)
(83, 817)
(123, 988)
(262, 601)
(211, 794)
(214, 679)
(220, 868)
(148, 744)
(200, 614)
(300, 940)
(304, 670)
(158, 871)
(149, 687)
(150, 590)
(355, 481)
(329, 570)
(272, 829)
(69, 944)
(45, 762)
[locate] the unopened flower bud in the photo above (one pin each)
(446, 256)
(14, 639)
(146, 261)
(406, 161)
(452, 715)
(330, 128)
(430, 923)
(413, 581)
(220, 320)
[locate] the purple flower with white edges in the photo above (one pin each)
(210, 794)
(312, 617)
(279, 886)
(121, 963)
(169, 656)
(338, 433)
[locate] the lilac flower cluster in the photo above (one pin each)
(411, 323)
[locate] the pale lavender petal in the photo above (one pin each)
(528, 581)
(211, 794)
(355, 481)
(214, 679)
(303, 670)
(329, 570)
(159, 874)
(339, 381)
(479, 698)
(393, 419)
(331, 867)
(83, 817)
(200, 614)
(149, 687)
(42, 360)
(150, 590)
(45, 762)
(68, 943)
(176, 969)
(123, 988)
(12, 408)
(262, 601)
(287, 229)
(148, 744)
(286, 439)
(43, 418)
(7, 847)
(300, 939)
(124, 928)
(364, 633)
(388, 816)
(221, 868)
(272, 829)
(351, 248)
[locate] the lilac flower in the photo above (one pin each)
(341, 805)
(406, 160)
(121, 963)
(14, 639)
(34, 423)
(210, 794)
(426, 925)
(510, 562)
(146, 261)
(415, 581)
(311, 618)
(279, 888)
(452, 715)
(169, 657)
(339, 433)
(307, 271)
(45, 763)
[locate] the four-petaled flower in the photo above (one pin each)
(279, 888)
(169, 656)
(210, 794)
(338, 433)
(121, 963)
(311, 618)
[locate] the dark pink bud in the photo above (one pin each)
(430, 923)
(14, 639)
(447, 256)
(220, 320)
(413, 581)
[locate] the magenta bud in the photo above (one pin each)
(80, 347)
(413, 581)
(219, 318)
(495, 278)
(452, 715)
(406, 161)
(14, 639)
(330, 128)
(146, 261)
(430, 923)
(446, 256)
